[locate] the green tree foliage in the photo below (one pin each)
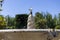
(49, 20)
(55, 21)
(58, 22)
(10, 22)
(59, 19)
(57, 27)
(46, 21)
(21, 21)
(2, 22)
(40, 22)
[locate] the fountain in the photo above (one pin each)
(24, 34)
(30, 22)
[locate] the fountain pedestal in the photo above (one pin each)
(30, 21)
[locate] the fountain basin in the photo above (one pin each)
(27, 34)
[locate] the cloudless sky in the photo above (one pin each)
(13, 7)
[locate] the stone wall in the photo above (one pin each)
(27, 35)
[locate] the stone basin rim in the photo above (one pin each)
(18, 30)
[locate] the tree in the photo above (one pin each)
(40, 21)
(59, 19)
(10, 22)
(55, 21)
(21, 21)
(49, 20)
(58, 22)
(2, 22)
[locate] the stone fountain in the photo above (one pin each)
(30, 21)
(30, 33)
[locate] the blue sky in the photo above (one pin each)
(13, 7)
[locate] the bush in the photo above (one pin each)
(57, 27)
(21, 21)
